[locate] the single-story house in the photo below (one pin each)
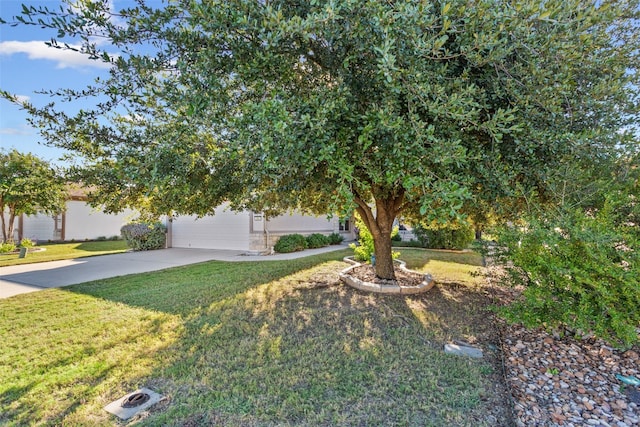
(248, 231)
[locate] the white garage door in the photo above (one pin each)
(224, 230)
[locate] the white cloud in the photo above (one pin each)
(38, 50)
(110, 14)
(23, 98)
(16, 131)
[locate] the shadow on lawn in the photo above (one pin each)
(266, 343)
(310, 351)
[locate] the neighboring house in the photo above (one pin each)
(79, 221)
(248, 231)
(245, 231)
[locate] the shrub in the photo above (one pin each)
(366, 248)
(7, 247)
(451, 236)
(101, 238)
(335, 238)
(580, 273)
(290, 243)
(27, 243)
(317, 240)
(144, 236)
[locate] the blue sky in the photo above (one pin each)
(27, 65)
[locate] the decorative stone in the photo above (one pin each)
(634, 395)
(354, 282)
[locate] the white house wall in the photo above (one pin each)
(81, 222)
(38, 227)
(243, 231)
(224, 230)
(84, 222)
(303, 224)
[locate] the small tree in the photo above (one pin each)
(28, 185)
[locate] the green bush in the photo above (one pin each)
(366, 247)
(335, 238)
(317, 240)
(290, 243)
(451, 236)
(144, 236)
(7, 247)
(27, 243)
(580, 272)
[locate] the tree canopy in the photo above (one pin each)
(385, 107)
(28, 185)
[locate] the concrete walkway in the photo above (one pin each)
(25, 278)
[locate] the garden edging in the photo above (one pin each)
(354, 282)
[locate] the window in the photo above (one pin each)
(344, 225)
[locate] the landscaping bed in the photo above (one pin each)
(558, 380)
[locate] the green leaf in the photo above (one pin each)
(544, 15)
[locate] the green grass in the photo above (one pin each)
(445, 265)
(60, 251)
(265, 343)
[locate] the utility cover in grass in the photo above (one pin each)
(463, 350)
(116, 407)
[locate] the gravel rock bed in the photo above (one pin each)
(566, 382)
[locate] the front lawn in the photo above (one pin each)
(254, 344)
(60, 251)
(445, 265)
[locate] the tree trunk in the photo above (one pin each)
(380, 227)
(4, 229)
(384, 259)
(478, 233)
(7, 227)
(12, 217)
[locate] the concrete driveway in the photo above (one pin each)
(25, 278)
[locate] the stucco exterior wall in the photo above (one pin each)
(224, 230)
(84, 222)
(245, 230)
(38, 227)
(295, 223)
(79, 222)
(299, 223)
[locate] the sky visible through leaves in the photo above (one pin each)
(28, 65)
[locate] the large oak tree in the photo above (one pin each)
(385, 107)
